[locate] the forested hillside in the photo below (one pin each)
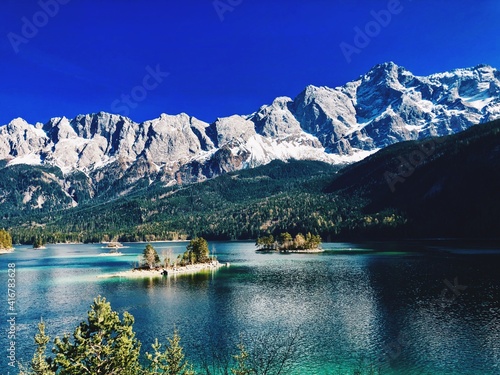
(240, 205)
(445, 187)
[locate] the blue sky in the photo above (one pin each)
(216, 58)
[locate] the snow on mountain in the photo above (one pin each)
(389, 104)
(336, 125)
(28, 159)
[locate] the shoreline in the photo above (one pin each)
(118, 254)
(159, 272)
(309, 251)
(7, 251)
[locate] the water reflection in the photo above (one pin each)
(199, 280)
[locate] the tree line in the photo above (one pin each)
(196, 252)
(251, 204)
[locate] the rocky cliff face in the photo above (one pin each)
(389, 105)
(336, 125)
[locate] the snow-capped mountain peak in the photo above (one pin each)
(386, 105)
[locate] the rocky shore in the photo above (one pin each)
(6, 251)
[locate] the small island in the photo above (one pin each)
(39, 243)
(195, 259)
(285, 243)
(114, 245)
(5, 242)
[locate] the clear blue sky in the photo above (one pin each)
(85, 55)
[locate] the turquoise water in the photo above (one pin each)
(407, 308)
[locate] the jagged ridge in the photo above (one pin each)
(336, 125)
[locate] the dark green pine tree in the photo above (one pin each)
(197, 251)
(103, 345)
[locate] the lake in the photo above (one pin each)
(406, 308)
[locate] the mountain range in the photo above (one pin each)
(64, 162)
(450, 191)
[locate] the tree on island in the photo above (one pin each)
(196, 251)
(5, 239)
(299, 242)
(266, 242)
(167, 256)
(150, 256)
(38, 243)
(285, 242)
(312, 241)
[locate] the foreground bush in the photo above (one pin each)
(105, 345)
